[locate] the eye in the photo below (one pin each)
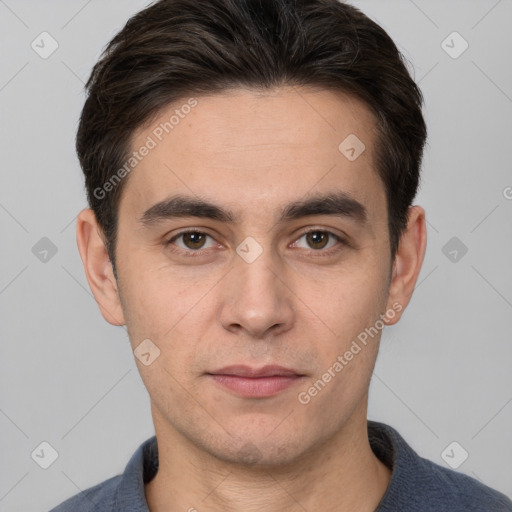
(192, 241)
(318, 239)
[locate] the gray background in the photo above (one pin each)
(69, 378)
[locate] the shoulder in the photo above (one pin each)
(422, 485)
(99, 497)
(122, 492)
(447, 489)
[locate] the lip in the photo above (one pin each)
(242, 370)
(250, 382)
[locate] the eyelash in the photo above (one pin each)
(318, 252)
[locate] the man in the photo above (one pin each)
(250, 168)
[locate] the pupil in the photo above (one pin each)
(195, 239)
(317, 237)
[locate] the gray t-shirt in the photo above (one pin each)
(417, 484)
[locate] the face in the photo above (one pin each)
(252, 299)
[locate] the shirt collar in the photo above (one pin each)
(141, 468)
(386, 443)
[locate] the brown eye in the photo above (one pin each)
(317, 239)
(190, 242)
(194, 239)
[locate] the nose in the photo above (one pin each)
(257, 300)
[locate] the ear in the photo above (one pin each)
(407, 264)
(98, 267)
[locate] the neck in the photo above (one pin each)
(341, 475)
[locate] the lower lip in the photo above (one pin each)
(256, 387)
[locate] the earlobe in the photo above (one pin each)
(98, 267)
(408, 262)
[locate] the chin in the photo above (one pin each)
(261, 455)
(260, 448)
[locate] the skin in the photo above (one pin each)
(253, 153)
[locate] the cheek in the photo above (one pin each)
(350, 307)
(351, 303)
(346, 361)
(158, 299)
(171, 310)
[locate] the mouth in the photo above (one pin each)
(250, 382)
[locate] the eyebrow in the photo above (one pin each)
(338, 204)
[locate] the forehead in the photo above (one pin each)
(245, 148)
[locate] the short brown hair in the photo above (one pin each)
(175, 49)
